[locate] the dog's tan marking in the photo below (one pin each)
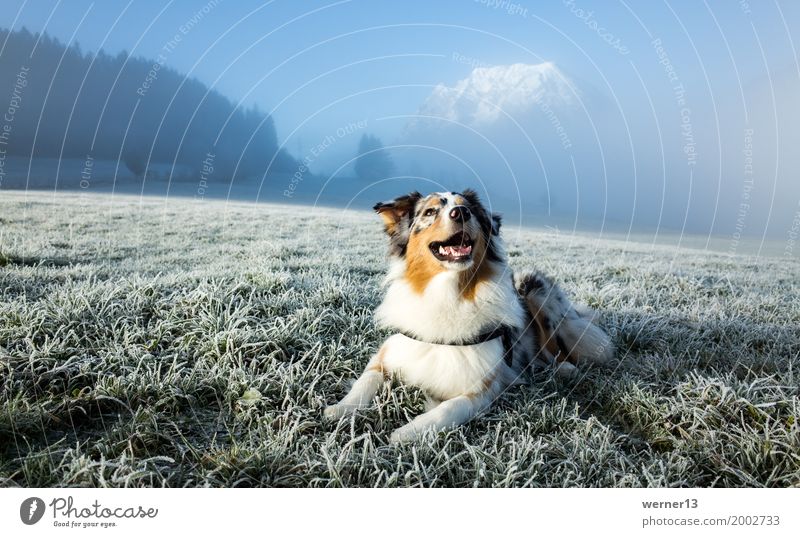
(566, 355)
(544, 331)
(378, 364)
(421, 265)
(488, 381)
(480, 271)
(392, 213)
(391, 219)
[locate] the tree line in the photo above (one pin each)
(77, 105)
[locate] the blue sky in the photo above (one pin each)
(423, 43)
(320, 65)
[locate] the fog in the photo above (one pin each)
(666, 125)
(560, 150)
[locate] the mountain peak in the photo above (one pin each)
(489, 93)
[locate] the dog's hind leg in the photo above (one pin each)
(564, 335)
(363, 390)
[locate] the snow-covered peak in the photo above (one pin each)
(489, 93)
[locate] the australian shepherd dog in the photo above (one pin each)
(465, 328)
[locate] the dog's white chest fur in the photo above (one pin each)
(443, 371)
(441, 314)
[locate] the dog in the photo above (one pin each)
(465, 328)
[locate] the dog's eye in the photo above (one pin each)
(429, 212)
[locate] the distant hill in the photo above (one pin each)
(66, 104)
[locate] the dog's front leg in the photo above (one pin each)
(363, 390)
(447, 414)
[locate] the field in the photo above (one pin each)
(152, 342)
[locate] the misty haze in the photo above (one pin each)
(585, 132)
(193, 273)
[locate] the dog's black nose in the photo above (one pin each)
(460, 213)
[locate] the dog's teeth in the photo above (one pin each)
(455, 251)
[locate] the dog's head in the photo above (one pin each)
(442, 231)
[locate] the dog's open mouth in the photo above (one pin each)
(457, 248)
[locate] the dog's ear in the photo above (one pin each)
(490, 222)
(397, 212)
(472, 197)
(497, 220)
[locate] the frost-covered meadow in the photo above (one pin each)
(169, 342)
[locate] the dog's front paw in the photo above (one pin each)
(336, 412)
(406, 433)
